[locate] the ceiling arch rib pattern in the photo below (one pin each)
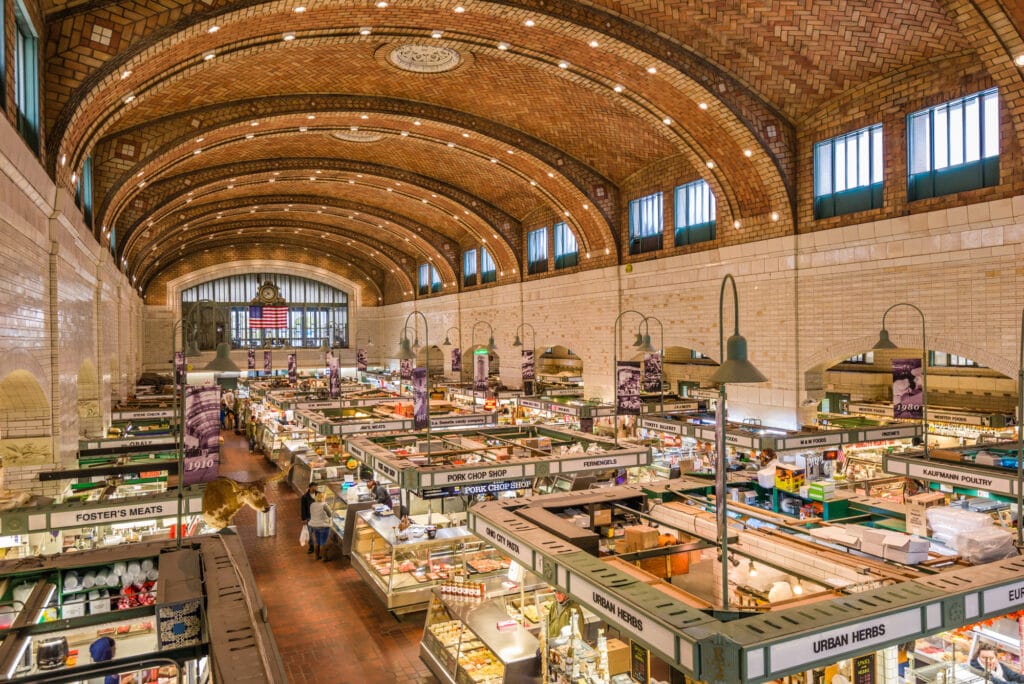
(160, 194)
(665, 91)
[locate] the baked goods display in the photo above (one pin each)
(476, 661)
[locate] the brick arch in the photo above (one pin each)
(21, 361)
(173, 188)
(224, 117)
(727, 129)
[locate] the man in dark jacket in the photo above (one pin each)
(304, 503)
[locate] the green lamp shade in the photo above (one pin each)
(638, 342)
(883, 341)
(222, 362)
(518, 342)
(736, 368)
(447, 342)
(490, 344)
(192, 351)
(405, 351)
(645, 344)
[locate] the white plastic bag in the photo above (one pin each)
(304, 536)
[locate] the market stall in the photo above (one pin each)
(949, 426)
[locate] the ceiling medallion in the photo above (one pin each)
(358, 136)
(424, 59)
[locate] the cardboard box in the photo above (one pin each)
(903, 548)
(873, 542)
(788, 477)
(917, 507)
(658, 566)
(618, 657)
(640, 538)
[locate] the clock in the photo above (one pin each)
(268, 293)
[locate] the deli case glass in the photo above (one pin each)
(403, 566)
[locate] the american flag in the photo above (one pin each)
(269, 317)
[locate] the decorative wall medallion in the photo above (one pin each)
(424, 59)
(358, 136)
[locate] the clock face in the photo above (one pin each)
(268, 292)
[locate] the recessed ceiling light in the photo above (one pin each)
(533, 182)
(230, 187)
(289, 36)
(593, 43)
(436, 34)
(503, 46)
(618, 88)
(459, 9)
(311, 116)
(493, 160)
(711, 164)
(1020, 60)
(775, 216)
(748, 153)
(736, 224)
(451, 144)
(667, 121)
(703, 105)
(250, 136)
(126, 73)
(299, 10)
(365, 31)
(551, 174)
(381, 4)
(389, 190)
(197, 151)
(652, 69)
(129, 97)
(415, 123)
(209, 54)
(405, 133)
(213, 29)
(254, 123)
(465, 135)
(529, 22)
(303, 129)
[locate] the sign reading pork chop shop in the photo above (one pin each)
(488, 473)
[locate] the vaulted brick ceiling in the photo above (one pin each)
(243, 129)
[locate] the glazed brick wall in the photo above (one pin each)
(888, 100)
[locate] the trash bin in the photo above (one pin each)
(266, 522)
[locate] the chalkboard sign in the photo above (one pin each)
(639, 663)
(864, 669)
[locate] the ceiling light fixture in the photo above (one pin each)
(1020, 60)
(775, 216)
(289, 36)
(711, 164)
(748, 153)
(563, 65)
(593, 43)
(703, 105)
(213, 29)
(382, 4)
(503, 46)
(618, 88)
(652, 70)
(208, 55)
(365, 31)
(529, 22)
(459, 9)
(416, 123)
(250, 136)
(299, 10)
(436, 34)
(667, 121)
(736, 224)
(129, 97)
(126, 73)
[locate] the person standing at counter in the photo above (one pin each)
(319, 526)
(564, 613)
(304, 505)
(994, 670)
(380, 494)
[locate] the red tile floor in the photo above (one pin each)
(329, 627)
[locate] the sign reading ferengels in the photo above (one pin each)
(963, 478)
(1005, 599)
(598, 462)
(832, 644)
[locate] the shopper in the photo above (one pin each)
(101, 651)
(994, 671)
(319, 526)
(380, 494)
(304, 505)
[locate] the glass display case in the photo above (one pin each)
(345, 500)
(476, 642)
(403, 567)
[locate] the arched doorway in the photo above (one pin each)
(468, 365)
(433, 358)
(27, 430)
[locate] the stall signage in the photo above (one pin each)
(833, 644)
(872, 409)
(480, 475)
(958, 418)
(165, 440)
(808, 441)
(375, 427)
(561, 409)
(356, 451)
(668, 427)
(705, 394)
(598, 462)
(521, 552)
(138, 510)
(901, 432)
(1005, 599)
(730, 438)
(963, 478)
(531, 403)
(570, 392)
(462, 421)
(473, 490)
(629, 619)
(316, 405)
(389, 471)
(141, 415)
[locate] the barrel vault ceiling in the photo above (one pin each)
(371, 136)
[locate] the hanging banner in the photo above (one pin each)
(529, 372)
(250, 357)
(652, 372)
(405, 369)
(292, 371)
(481, 366)
(627, 387)
(202, 433)
(420, 403)
(456, 360)
(361, 359)
(333, 375)
(267, 367)
(907, 389)
(179, 367)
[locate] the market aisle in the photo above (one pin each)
(329, 628)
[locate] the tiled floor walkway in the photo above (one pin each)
(329, 627)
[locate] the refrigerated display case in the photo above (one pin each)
(403, 567)
(345, 499)
(476, 642)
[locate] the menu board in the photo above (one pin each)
(864, 669)
(639, 663)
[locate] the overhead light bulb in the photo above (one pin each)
(798, 588)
